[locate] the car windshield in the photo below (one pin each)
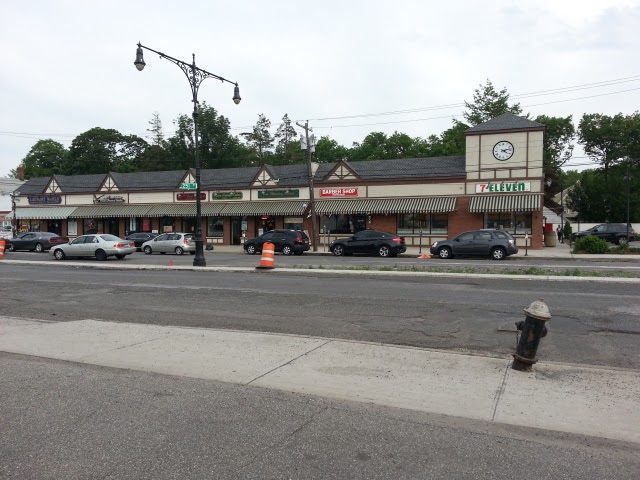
(109, 238)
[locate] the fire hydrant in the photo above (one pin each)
(533, 328)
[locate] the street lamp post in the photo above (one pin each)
(195, 76)
(627, 179)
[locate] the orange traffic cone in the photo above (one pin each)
(267, 261)
(171, 263)
(2, 242)
(425, 255)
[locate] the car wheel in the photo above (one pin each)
(622, 241)
(147, 250)
(39, 248)
(338, 250)
(179, 250)
(101, 255)
(445, 252)
(251, 249)
(59, 255)
(120, 256)
(498, 254)
(384, 251)
(10, 247)
(287, 250)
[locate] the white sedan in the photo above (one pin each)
(98, 246)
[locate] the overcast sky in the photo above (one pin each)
(67, 66)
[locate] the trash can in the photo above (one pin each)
(550, 239)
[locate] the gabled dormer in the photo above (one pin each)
(52, 186)
(341, 172)
(189, 177)
(109, 185)
(265, 178)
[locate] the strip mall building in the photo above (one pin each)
(497, 184)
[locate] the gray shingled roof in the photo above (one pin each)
(79, 183)
(227, 177)
(167, 180)
(506, 121)
(407, 168)
(33, 186)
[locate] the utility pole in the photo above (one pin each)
(312, 203)
(627, 178)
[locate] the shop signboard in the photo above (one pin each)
(188, 186)
(286, 193)
(503, 187)
(226, 195)
(190, 197)
(108, 199)
(339, 192)
(44, 199)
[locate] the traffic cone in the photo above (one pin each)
(2, 242)
(171, 263)
(425, 255)
(267, 261)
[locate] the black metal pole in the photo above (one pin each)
(198, 260)
(420, 250)
(628, 179)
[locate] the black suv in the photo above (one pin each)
(496, 243)
(611, 232)
(369, 241)
(285, 241)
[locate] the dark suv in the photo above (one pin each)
(285, 241)
(496, 243)
(611, 232)
(372, 242)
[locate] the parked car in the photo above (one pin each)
(98, 246)
(496, 243)
(372, 242)
(177, 243)
(34, 241)
(611, 232)
(6, 233)
(140, 237)
(286, 241)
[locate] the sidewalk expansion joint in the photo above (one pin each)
(288, 362)
(118, 348)
(500, 391)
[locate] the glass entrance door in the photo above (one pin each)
(236, 231)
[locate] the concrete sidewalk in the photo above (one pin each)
(601, 402)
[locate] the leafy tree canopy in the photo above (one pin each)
(46, 158)
(489, 103)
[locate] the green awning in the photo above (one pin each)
(111, 211)
(44, 213)
(387, 205)
(185, 210)
(232, 209)
(505, 203)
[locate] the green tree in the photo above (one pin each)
(260, 139)
(489, 103)
(101, 150)
(46, 158)
(373, 147)
(450, 143)
(156, 134)
(287, 149)
(328, 150)
(604, 138)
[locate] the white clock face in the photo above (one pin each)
(503, 150)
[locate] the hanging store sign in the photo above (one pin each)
(108, 199)
(288, 193)
(338, 192)
(44, 199)
(226, 195)
(504, 187)
(190, 197)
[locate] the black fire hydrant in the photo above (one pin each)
(532, 329)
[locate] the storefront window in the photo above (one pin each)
(215, 227)
(343, 223)
(428, 223)
(514, 223)
(90, 226)
(28, 225)
(167, 224)
(294, 223)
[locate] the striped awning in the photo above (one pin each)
(505, 203)
(295, 207)
(387, 205)
(111, 211)
(44, 213)
(185, 210)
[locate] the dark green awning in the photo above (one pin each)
(232, 209)
(111, 211)
(44, 213)
(386, 205)
(505, 203)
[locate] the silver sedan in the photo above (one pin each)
(98, 246)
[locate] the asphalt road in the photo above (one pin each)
(592, 322)
(63, 420)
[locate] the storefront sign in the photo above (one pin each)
(288, 193)
(108, 199)
(226, 195)
(44, 199)
(506, 187)
(185, 197)
(339, 192)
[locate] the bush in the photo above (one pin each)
(567, 230)
(591, 244)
